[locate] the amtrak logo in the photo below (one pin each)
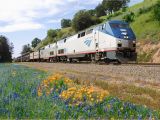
(88, 42)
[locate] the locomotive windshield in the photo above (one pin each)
(116, 25)
(122, 30)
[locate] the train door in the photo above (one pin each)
(96, 38)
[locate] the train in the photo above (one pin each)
(112, 41)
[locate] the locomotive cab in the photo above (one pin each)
(126, 41)
(121, 41)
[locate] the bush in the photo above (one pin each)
(124, 9)
(144, 10)
(156, 12)
(113, 15)
(129, 17)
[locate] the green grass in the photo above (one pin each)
(19, 100)
(145, 4)
(144, 25)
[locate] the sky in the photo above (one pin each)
(23, 20)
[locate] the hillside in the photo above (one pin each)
(147, 30)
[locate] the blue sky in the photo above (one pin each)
(23, 20)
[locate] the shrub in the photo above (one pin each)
(144, 10)
(156, 12)
(129, 17)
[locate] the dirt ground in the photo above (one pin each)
(135, 75)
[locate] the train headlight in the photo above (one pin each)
(134, 42)
(119, 43)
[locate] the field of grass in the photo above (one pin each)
(29, 93)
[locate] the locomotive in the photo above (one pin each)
(112, 41)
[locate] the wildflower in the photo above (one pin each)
(112, 118)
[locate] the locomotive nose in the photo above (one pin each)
(126, 44)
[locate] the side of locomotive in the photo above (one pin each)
(111, 41)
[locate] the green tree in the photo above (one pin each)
(35, 42)
(26, 49)
(156, 11)
(82, 20)
(100, 11)
(92, 12)
(5, 50)
(114, 5)
(129, 17)
(65, 23)
(11, 47)
(51, 35)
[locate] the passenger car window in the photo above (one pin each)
(52, 53)
(79, 35)
(61, 51)
(82, 34)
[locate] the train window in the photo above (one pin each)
(52, 53)
(116, 25)
(61, 51)
(79, 35)
(89, 31)
(82, 34)
(113, 25)
(124, 26)
(65, 40)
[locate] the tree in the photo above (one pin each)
(156, 11)
(92, 12)
(51, 35)
(11, 48)
(129, 17)
(100, 10)
(114, 5)
(82, 20)
(26, 49)
(35, 42)
(65, 23)
(5, 52)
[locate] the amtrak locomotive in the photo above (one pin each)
(113, 41)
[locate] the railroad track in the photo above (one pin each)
(125, 64)
(144, 64)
